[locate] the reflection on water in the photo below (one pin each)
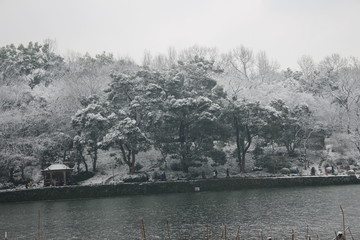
(191, 214)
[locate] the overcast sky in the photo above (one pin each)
(285, 29)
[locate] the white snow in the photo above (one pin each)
(57, 166)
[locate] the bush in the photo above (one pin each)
(285, 171)
(195, 172)
(156, 175)
(83, 176)
(262, 161)
(196, 164)
(293, 154)
(351, 161)
(8, 185)
(138, 166)
(176, 166)
(141, 177)
(272, 163)
(345, 161)
(258, 151)
(294, 170)
(218, 156)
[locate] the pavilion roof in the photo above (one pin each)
(57, 167)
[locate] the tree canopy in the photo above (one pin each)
(191, 107)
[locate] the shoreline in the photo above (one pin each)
(163, 187)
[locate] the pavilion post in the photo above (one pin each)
(51, 179)
(64, 177)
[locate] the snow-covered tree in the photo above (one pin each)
(188, 99)
(92, 123)
(126, 136)
(246, 120)
(129, 116)
(336, 79)
(292, 127)
(175, 108)
(33, 64)
(79, 144)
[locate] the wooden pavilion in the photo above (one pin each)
(57, 174)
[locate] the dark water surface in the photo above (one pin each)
(190, 214)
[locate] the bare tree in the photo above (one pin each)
(160, 61)
(307, 66)
(52, 45)
(334, 62)
(246, 70)
(147, 59)
(265, 68)
(243, 62)
(339, 80)
(172, 55)
(207, 53)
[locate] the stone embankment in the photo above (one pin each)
(123, 189)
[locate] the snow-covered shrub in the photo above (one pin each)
(285, 171)
(194, 172)
(156, 175)
(294, 170)
(139, 177)
(272, 163)
(176, 166)
(82, 176)
(138, 166)
(218, 156)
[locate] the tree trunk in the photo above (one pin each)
(132, 163)
(128, 157)
(95, 160)
(183, 147)
(78, 166)
(307, 163)
(131, 168)
(22, 168)
(238, 142)
(11, 174)
(163, 158)
(290, 147)
(241, 149)
(245, 146)
(86, 166)
(238, 151)
(358, 146)
(78, 158)
(64, 156)
(242, 167)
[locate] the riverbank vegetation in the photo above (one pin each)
(187, 111)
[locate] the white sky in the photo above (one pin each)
(285, 29)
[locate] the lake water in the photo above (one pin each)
(190, 215)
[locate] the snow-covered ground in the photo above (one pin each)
(109, 171)
(107, 174)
